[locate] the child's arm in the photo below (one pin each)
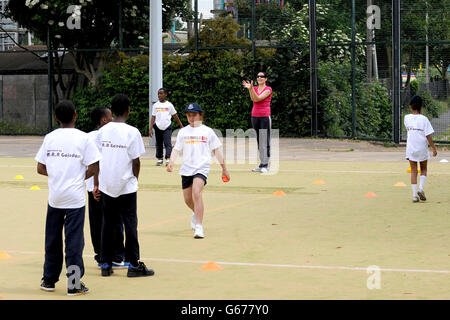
(136, 167)
(219, 157)
(430, 141)
(42, 169)
(150, 129)
(178, 120)
(173, 157)
(91, 171)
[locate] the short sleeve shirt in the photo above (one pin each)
(196, 144)
(67, 153)
(119, 144)
(163, 112)
(418, 128)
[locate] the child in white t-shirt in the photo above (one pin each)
(419, 136)
(121, 146)
(102, 115)
(196, 142)
(63, 157)
(161, 121)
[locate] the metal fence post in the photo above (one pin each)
(49, 81)
(196, 24)
(253, 30)
(353, 72)
(313, 65)
(396, 65)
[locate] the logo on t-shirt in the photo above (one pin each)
(415, 129)
(162, 109)
(195, 139)
(109, 144)
(61, 154)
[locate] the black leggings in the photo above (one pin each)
(262, 126)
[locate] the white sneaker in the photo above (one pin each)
(264, 170)
(415, 199)
(159, 163)
(421, 195)
(198, 234)
(257, 169)
(167, 162)
(193, 221)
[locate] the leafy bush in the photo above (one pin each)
(373, 109)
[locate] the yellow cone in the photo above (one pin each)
(319, 182)
(35, 188)
(400, 184)
(409, 170)
(18, 177)
(4, 255)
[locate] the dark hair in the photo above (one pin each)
(416, 103)
(163, 89)
(120, 104)
(265, 74)
(97, 114)
(64, 111)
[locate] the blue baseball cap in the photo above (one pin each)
(193, 107)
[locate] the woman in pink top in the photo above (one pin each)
(261, 96)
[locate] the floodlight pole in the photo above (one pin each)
(155, 56)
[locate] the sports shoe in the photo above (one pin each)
(415, 199)
(167, 162)
(139, 271)
(99, 265)
(47, 286)
(159, 162)
(120, 265)
(106, 270)
(193, 221)
(198, 234)
(257, 169)
(421, 195)
(264, 170)
(78, 292)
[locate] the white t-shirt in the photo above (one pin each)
(90, 182)
(197, 145)
(119, 144)
(418, 127)
(66, 153)
(163, 112)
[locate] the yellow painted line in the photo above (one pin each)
(209, 212)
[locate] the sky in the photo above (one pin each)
(205, 6)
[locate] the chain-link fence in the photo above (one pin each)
(338, 86)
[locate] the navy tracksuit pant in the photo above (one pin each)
(72, 220)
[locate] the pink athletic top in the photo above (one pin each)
(262, 108)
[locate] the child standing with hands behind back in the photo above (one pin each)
(419, 136)
(161, 121)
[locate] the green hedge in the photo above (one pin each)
(213, 79)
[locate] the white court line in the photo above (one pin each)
(247, 264)
(281, 170)
(326, 171)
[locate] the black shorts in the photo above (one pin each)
(187, 181)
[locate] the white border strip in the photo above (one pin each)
(247, 264)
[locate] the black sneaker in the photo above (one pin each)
(78, 292)
(106, 270)
(139, 271)
(47, 286)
